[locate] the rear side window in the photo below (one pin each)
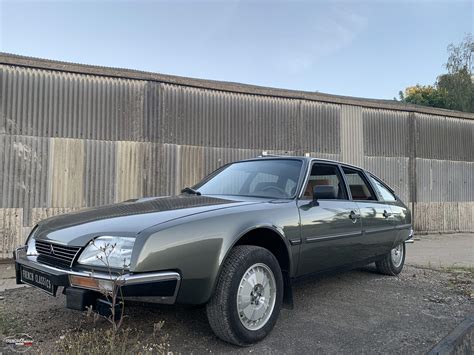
(360, 189)
(385, 193)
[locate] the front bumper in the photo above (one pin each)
(155, 287)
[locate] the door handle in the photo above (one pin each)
(386, 214)
(354, 216)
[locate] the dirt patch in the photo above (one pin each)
(358, 311)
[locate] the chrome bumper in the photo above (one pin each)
(410, 239)
(136, 283)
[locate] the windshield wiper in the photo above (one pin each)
(191, 191)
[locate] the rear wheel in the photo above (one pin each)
(392, 263)
(248, 296)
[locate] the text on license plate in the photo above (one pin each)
(38, 279)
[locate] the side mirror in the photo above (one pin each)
(325, 192)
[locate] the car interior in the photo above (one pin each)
(360, 190)
(324, 175)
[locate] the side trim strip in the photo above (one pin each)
(295, 241)
(378, 230)
(333, 236)
(403, 226)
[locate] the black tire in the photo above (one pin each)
(387, 266)
(222, 311)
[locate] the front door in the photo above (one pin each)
(331, 229)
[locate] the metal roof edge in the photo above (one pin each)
(47, 64)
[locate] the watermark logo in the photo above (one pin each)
(19, 343)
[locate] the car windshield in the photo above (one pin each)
(274, 178)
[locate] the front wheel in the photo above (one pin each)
(248, 296)
(392, 263)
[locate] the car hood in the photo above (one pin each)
(126, 218)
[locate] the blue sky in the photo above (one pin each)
(357, 48)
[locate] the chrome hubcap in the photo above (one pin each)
(397, 255)
(256, 296)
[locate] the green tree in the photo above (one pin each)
(458, 81)
(453, 90)
(459, 90)
(426, 95)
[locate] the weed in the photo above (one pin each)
(107, 341)
(116, 339)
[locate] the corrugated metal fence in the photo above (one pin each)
(74, 136)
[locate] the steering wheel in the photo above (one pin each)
(276, 188)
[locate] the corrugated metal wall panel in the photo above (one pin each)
(442, 180)
(190, 168)
(200, 117)
(154, 167)
(444, 217)
(153, 125)
(11, 231)
(429, 217)
(320, 127)
(385, 133)
(352, 135)
(54, 104)
(445, 138)
(3, 89)
(24, 171)
(66, 183)
(466, 216)
(170, 169)
(393, 171)
(100, 173)
(131, 171)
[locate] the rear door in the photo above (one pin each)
(399, 211)
(378, 225)
(331, 230)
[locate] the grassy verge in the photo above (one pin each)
(461, 279)
(8, 324)
(98, 341)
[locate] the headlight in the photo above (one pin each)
(106, 251)
(31, 245)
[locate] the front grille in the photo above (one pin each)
(56, 255)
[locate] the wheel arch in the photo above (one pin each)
(265, 236)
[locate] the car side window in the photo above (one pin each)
(360, 189)
(385, 193)
(325, 175)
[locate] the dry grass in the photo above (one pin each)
(8, 324)
(461, 279)
(97, 341)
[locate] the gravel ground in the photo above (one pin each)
(354, 312)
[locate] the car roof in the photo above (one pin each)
(303, 158)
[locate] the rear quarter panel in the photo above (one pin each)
(403, 222)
